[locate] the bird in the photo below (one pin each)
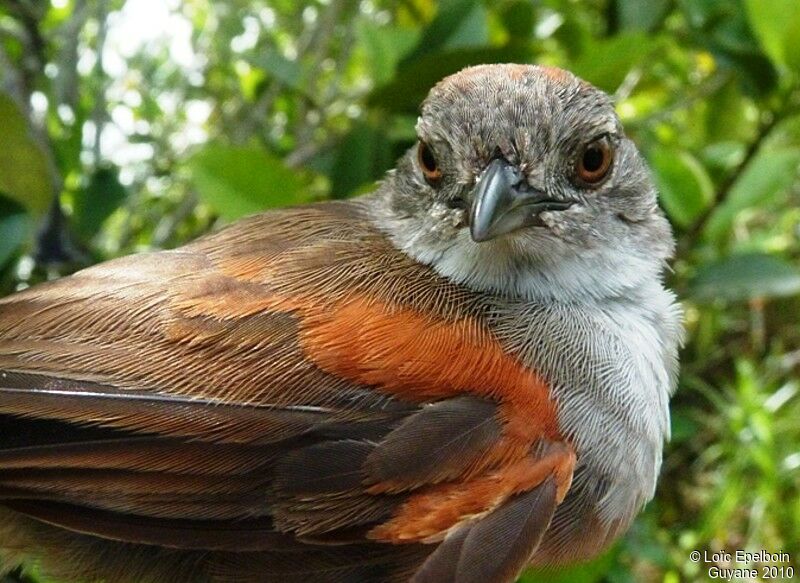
(462, 373)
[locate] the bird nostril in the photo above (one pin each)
(520, 185)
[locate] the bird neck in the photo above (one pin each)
(500, 268)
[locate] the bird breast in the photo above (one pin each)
(611, 365)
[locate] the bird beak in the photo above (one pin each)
(504, 202)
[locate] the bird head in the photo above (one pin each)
(522, 181)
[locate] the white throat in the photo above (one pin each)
(490, 267)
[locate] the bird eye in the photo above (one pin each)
(595, 161)
(427, 162)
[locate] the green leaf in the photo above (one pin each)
(724, 105)
(287, 72)
(722, 28)
(95, 203)
(741, 277)
(776, 24)
(412, 83)
(472, 31)
(15, 227)
(242, 180)
(24, 173)
(684, 186)
(723, 155)
(606, 62)
(384, 47)
(446, 28)
(771, 172)
(683, 427)
(362, 157)
(643, 15)
(518, 18)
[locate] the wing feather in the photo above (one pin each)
(496, 548)
(291, 388)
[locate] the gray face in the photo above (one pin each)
(530, 160)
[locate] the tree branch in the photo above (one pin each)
(723, 192)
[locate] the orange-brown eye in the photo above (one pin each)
(427, 162)
(595, 161)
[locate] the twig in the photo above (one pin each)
(302, 154)
(99, 113)
(725, 188)
(318, 47)
(65, 85)
(701, 92)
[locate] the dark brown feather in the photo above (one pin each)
(329, 467)
(497, 547)
(440, 442)
(240, 535)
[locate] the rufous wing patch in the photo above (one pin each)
(419, 358)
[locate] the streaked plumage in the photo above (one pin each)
(356, 391)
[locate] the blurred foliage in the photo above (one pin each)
(130, 125)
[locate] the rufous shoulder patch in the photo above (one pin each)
(419, 358)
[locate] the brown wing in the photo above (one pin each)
(289, 396)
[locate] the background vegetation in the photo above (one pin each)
(139, 124)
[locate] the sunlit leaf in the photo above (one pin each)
(726, 104)
(24, 174)
(723, 155)
(684, 186)
(770, 173)
(776, 23)
(241, 180)
(606, 62)
(384, 47)
(741, 277)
